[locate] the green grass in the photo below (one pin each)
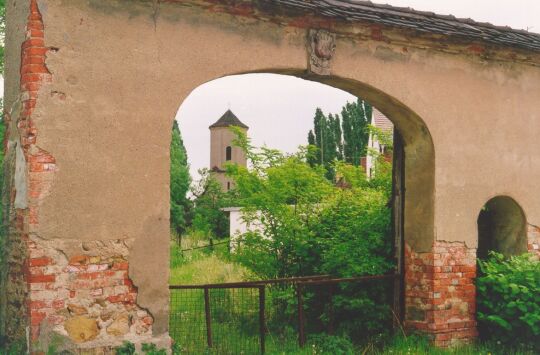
(203, 266)
(400, 345)
(235, 317)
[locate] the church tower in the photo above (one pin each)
(222, 150)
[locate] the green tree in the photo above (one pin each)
(2, 33)
(326, 137)
(209, 199)
(307, 224)
(356, 117)
(179, 183)
(340, 138)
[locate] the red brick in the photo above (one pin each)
(37, 304)
(43, 261)
(33, 42)
(34, 332)
(58, 304)
(36, 317)
(89, 275)
(41, 278)
(124, 265)
(78, 260)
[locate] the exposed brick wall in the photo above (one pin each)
(440, 296)
(78, 290)
(87, 296)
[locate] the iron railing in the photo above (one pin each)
(249, 317)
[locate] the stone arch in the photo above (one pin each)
(502, 227)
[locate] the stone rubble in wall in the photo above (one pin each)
(86, 295)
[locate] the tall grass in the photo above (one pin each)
(202, 266)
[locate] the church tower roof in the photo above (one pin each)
(228, 119)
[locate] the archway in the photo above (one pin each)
(419, 154)
(413, 211)
(502, 228)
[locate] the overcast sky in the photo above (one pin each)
(279, 109)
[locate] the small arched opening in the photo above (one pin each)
(501, 228)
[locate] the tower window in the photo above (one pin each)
(228, 185)
(228, 153)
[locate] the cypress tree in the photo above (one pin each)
(180, 181)
(340, 138)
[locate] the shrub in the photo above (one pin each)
(508, 306)
(329, 344)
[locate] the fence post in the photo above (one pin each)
(262, 319)
(331, 309)
(208, 319)
(301, 335)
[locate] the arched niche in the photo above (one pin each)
(502, 228)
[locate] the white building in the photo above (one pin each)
(378, 120)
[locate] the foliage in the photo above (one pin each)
(128, 348)
(2, 33)
(14, 348)
(421, 345)
(355, 117)
(151, 349)
(342, 138)
(330, 344)
(202, 267)
(326, 136)
(305, 225)
(179, 183)
(508, 307)
(208, 218)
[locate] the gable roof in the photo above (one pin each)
(228, 119)
(421, 21)
(379, 120)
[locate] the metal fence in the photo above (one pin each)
(274, 316)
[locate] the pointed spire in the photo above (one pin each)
(228, 119)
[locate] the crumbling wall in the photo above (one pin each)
(440, 296)
(78, 291)
(93, 91)
(82, 291)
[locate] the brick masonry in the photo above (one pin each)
(86, 296)
(79, 291)
(440, 292)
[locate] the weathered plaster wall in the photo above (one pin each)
(122, 77)
(120, 69)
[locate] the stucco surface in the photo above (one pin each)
(220, 139)
(470, 125)
(16, 22)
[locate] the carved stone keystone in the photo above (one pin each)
(321, 46)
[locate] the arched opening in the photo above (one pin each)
(501, 228)
(412, 212)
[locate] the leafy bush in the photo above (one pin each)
(508, 300)
(309, 225)
(329, 344)
(128, 348)
(14, 348)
